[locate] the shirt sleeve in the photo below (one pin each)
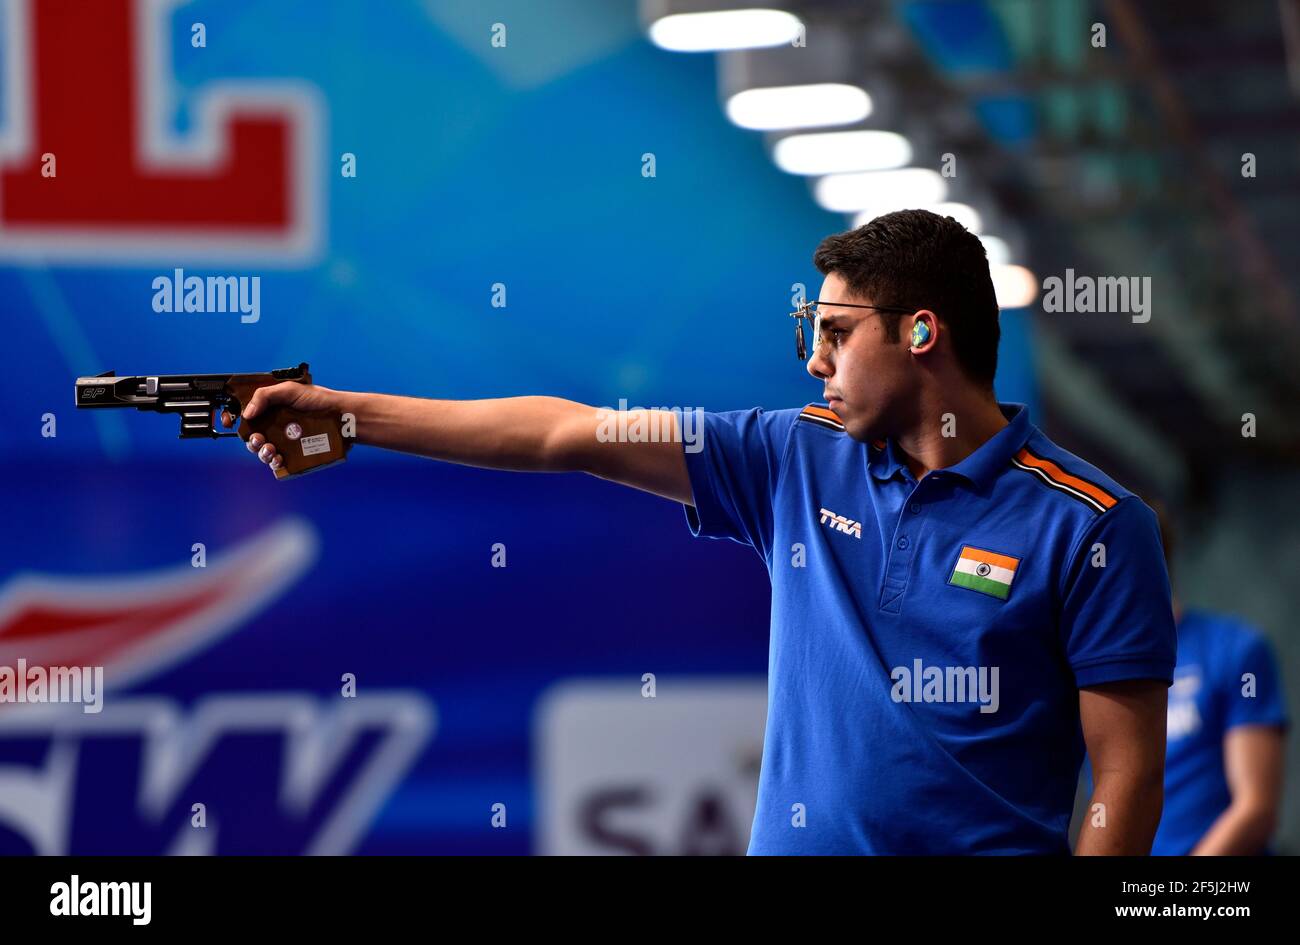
(734, 468)
(1257, 699)
(1117, 621)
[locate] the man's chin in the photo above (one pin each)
(857, 427)
(855, 433)
(854, 427)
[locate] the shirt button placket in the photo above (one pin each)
(899, 565)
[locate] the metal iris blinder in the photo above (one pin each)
(806, 311)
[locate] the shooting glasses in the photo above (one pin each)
(812, 311)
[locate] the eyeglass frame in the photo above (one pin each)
(804, 311)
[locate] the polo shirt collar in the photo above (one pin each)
(881, 460)
(980, 467)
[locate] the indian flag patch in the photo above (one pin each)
(985, 571)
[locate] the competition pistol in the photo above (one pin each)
(307, 441)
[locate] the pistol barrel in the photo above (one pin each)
(150, 392)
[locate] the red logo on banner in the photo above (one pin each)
(135, 624)
(88, 169)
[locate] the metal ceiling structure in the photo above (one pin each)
(1137, 169)
(1129, 162)
(1111, 135)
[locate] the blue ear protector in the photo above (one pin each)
(920, 334)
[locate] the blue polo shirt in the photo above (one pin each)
(1226, 676)
(928, 639)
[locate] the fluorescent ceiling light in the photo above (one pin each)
(1015, 286)
(881, 191)
(998, 250)
(724, 29)
(798, 106)
(964, 214)
(838, 152)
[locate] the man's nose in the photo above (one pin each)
(818, 366)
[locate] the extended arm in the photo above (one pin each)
(531, 434)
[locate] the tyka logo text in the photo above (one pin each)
(841, 524)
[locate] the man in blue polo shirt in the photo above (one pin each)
(958, 605)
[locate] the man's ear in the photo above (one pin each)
(924, 331)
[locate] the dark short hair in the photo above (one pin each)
(916, 259)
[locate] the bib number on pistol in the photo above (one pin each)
(311, 445)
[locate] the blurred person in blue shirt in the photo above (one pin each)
(1227, 723)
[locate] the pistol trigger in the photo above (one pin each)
(232, 408)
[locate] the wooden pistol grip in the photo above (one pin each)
(305, 441)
